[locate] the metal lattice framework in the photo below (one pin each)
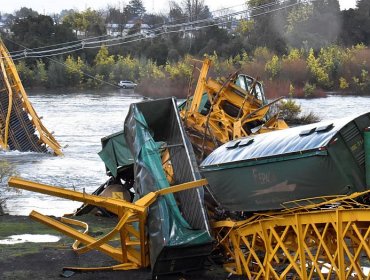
(133, 250)
(326, 240)
(20, 126)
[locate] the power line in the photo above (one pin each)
(32, 53)
(60, 44)
(64, 64)
(163, 30)
(157, 32)
(91, 38)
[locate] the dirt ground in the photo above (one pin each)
(46, 260)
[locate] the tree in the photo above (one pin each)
(314, 25)
(57, 74)
(25, 12)
(63, 33)
(95, 22)
(176, 14)
(89, 22)
(104, 63)
(268, 27)
(33, 32)
(74, 70)
(116, 16)
(195, 9)
(40, 31)
(356, 24)
(41, 75)
(135, 9)
(154, 20)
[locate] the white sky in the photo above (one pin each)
(50, 7)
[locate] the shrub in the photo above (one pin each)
(291, 112)
(317, 70)
(41, 76)
(262, 54)
(25, 73)
(273, 67)
(276, 88)
(309, 90)
(74, 70)
(255, 69)
(289, 109)
(57, 74)
(294, 70)
(343, 83)
(126, 68)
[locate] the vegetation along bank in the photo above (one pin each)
(303, 49)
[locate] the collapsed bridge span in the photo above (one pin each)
(20, 127)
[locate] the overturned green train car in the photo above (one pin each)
(178, 227)
(262, 172)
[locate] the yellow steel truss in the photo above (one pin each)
(14, 89)
(218, 126)
(318, 238)
(133, 251)
(327, 240)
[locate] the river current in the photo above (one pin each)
(79, 121)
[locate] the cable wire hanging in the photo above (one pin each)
(157, 32)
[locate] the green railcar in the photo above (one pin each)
(264, 171)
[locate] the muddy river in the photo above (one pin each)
(79, 121)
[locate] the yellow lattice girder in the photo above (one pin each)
(133, 251)
(304, 243)
(14, 87)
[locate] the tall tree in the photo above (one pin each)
(90, 22)
(116, 16)
(26, 12)
(135, 9)
(314, 25)
(195, 9)
(33, 31)
(268, 29)
(176, 13)
(39, 31)
(356, 24)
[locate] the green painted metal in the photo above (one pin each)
(367, 155)
(115, 153)
(261, 172)
(179, 237)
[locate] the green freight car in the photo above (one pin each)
(264, 171)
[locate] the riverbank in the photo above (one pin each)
(45, 260)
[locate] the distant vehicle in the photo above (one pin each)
(127, 84)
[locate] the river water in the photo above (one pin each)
(79, 121)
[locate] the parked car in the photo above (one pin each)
(127, 84)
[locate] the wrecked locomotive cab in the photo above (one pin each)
(226, 109)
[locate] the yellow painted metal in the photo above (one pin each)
(133, 251)
(14, 88)
(232, 111)
(10, 94)
(326, 240)
(83, 225)
(317, 238)
(200, 88)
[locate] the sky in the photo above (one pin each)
(156, 6)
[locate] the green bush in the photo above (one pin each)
(289, 109)
(57, 74)
(26, 74)
(309, 89)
